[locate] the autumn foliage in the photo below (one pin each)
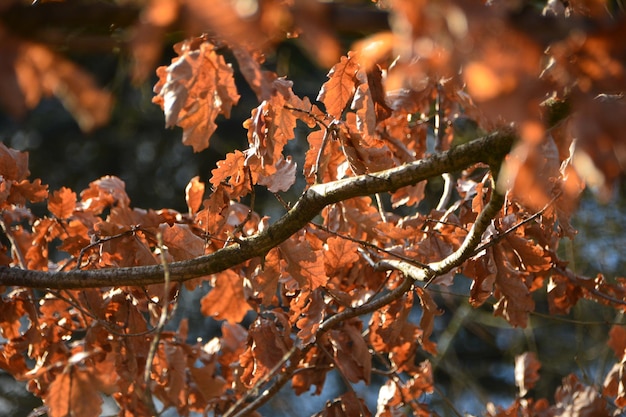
(330, 286)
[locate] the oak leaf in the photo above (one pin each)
(193, 90)
(226, 301)
(62, 203)
(302, 263)
(350, 352)
(232, 172)
(194, 193)
(282, 178)
(267, 346)
(337, 92)
(73, 393)
(181, 242)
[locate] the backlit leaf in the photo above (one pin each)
(226, 300)
(62, 203)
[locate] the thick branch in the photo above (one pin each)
(490, 149)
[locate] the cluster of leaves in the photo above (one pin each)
(310, 285)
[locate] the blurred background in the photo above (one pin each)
(477, 351)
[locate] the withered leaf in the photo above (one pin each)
(226, 301)
(72, 392)
(194, 193)
(337, 92)
(193, 90)
(62, 203)
(302, 263)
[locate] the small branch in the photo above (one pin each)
(16, 248)
(473, 238)
(154, 345)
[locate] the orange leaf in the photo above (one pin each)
(194, 89)
(340, 254)
(181, 243)
(194, 193)
(25, 190)
(73, 393)
(102, 193)
(62, 203)
(309, 307)
(337, 92)
(232, 171)
(283, 178)
(304, 264)
(268, 345)
(227, 300)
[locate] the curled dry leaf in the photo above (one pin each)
(194, 89)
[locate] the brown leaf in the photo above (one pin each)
(615, 383)
(427, 322)
(24, 191)
(351, 352)
(340, 254)
(208, 383)
(575, 399)
(482, 270)
(283, 178)
(73, 393)
(231, 171)
(266, 277)
(302, 263)
(526, 372)
(226, 301)
(268, 344)
(337, 92)
(515, 301)
(309, 308)
(346, 406)
(62, 203)
(194, 89)
(103, 193)
(194, 194)
(272, 125)
(181, 243)
(387, 323)
(617, 340)
(315, 367)
(562, 294)
(13, 164)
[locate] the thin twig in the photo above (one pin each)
(15, 247)
(371, 246)
(101, 240)
(159, 328)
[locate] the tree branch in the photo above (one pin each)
(490, 149)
